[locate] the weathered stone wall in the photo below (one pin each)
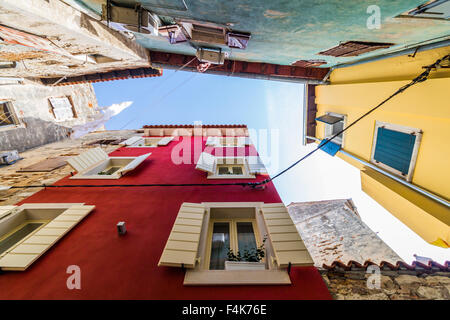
(353, 286)
(58, 39)
(332, 230)
(10, 177)
(37, 123)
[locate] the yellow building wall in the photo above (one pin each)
(425, 106)
(428, 218)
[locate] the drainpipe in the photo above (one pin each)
(305, 113)
(408, 184)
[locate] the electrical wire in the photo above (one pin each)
(260, 185)
(161, 99)
(420, 78)
(160, 84)
(171, 75)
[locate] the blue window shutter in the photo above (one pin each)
(394, 149)
(331, 148)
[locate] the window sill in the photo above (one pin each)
(230, 176)
(236, 277)
(11, 127)
(96, 176)
(336, 140)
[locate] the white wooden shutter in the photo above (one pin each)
(62, 108)
(31, 248)
(182, 245)
(5, 210)
(87, 159)
(133, 141)
(255, 165)
(165, 141)
(133, 164)
(206, 162)
(243, 141)
(286, 242)
(213, 141)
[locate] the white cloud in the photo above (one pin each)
(100, 119)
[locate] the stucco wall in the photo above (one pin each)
(149, 212)
(424, 106)
(37, 123)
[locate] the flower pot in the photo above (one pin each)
(244, 265)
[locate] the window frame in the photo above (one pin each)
(94, 170)
(224, 144)
(219, 141)
(201, 275)
(328, 129)
(233, 236)
(425, 11)
(402, 129)
(136, 145)
(17, 123)
(238, 161)
(58, 219)
(141, 139)
(88, 169)
(11, 232)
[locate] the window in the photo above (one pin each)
(174, 33)
(7, 64)
(333, 123)
(238, 40)
(229, 167)
(220, 244)
(237, 235)
(228, 141)
(18, 234)
(147, 142)
(395, 148)
(62, 108)
(96, 164)
(7, 115)
(203, 233)
(106, 142)
(28, 231)
(435, 9)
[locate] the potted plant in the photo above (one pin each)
(246, 260)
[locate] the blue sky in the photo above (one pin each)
(276, 107)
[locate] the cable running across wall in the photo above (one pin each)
(420, 78)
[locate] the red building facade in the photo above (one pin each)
(167, 250)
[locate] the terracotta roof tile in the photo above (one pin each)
(106, 76)
(418, 267)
